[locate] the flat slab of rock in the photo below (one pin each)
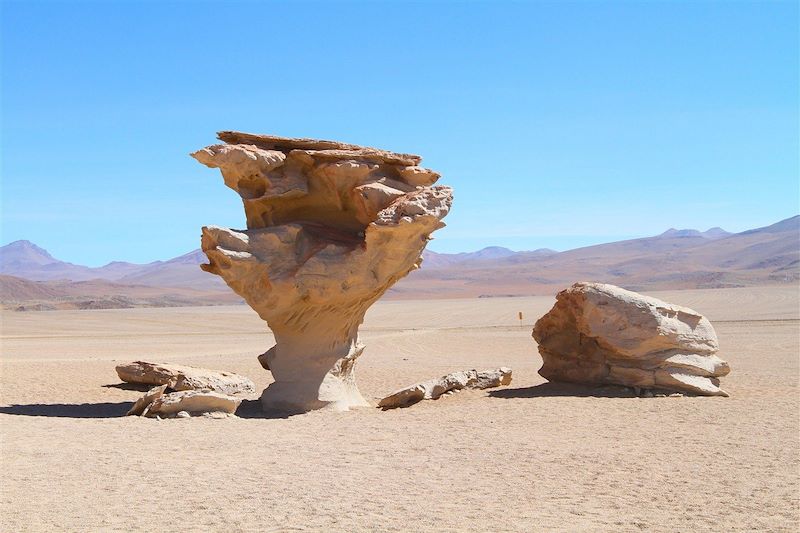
(323, 148)
(180, 377)
(193, 402)
(434, 388)
(602, 334)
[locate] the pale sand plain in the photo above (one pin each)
(528, 457)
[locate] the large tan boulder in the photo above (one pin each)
(603, 334)
(434, 388)
(330, 227)
(180, 377)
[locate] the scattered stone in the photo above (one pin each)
(182, 404)
(602, 334)
(449, 384)
(192, 402)
(331, 226)
(141, 405)
(183, 390)
(180, 377)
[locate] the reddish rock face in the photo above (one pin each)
(330, 227)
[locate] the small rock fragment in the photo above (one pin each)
(449, 384)
(193, 401)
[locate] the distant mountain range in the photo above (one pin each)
(713, 233)
(26, 260)
(31, 278)
(676, 259)
(431, 259)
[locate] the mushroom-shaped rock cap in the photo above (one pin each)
(283, 180)
(330, 227)
(603, 334)
(331, 149)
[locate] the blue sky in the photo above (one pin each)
(558, 124)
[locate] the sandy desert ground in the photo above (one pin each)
(528, 457)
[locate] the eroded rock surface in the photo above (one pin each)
(184, 389)
(603, 334)
(330, 227)
(434, 388)
(140, 407)
(180, 377)
(193, 402)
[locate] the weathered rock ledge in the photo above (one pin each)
(181, 377)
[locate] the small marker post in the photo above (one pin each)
(520, 318)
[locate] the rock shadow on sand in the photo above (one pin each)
(555, 389)
(247, 409)
(129, 386)
(253, 409)
(69, 410)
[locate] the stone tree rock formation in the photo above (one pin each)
(602, 334)
(330, 227)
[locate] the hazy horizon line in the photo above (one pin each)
(599, 240)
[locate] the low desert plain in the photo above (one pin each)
(531, 456)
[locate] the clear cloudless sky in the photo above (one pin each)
(559, 124)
